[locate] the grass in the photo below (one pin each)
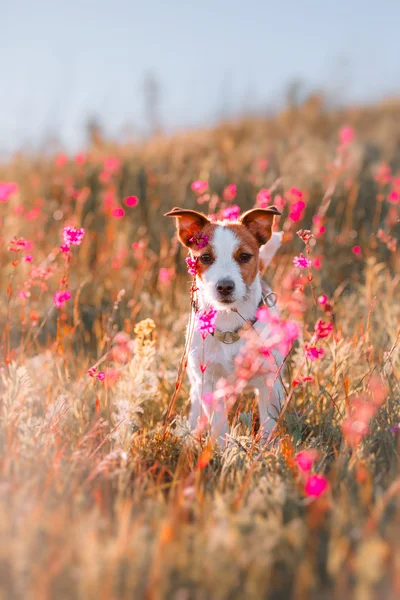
(98, 498)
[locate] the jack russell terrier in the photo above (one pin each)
(229, 256)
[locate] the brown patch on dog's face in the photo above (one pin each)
(247, 253)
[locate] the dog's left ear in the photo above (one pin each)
(188, 224)
(259, 222)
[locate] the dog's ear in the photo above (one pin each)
(259, 222)
(188, 223)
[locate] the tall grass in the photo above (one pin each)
(100, 499)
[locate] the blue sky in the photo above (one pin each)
(62, 62)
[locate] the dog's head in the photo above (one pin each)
(227, 252)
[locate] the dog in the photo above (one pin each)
(229, 257)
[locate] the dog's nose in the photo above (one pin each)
(225, 287)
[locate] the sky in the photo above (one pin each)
(62, 63)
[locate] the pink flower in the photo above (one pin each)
(65, 248)
(282, 333)
(231, 212)
(297, 382)
(313, 353)
(306, 459)
(208, 398)
(200, 240)
(229, 192)
(322, 300)
(131, 201)
(394, 197)
(205, 321)
(61, 160)
(6, 189)
(296, 211)
(322, 329)
(61, 297)
(118, 213)
(346, 135)
(28, 258)
(383, 174)
(199, 186)
(80, 158)
(356, 250)
(315, 485)
(17, 244)
(95, 374)
(301, 261)
(72, 236)
(263, 198)
(165, 275)
(192, 264)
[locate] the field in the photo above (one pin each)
(107, 494)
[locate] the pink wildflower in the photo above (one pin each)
(356, 250)
(200, 240)
(206, 321)
(118, 213)
(394, 197)
(322, 299)
(231, 212)
(297, 382)
(131, 201)
(192, 265)
(65, 248)
(313, 353)
(263, 198)
(315, 485)
(72, 236)
(296, 211)
(199, 186)
(346, 135)
(282, 333)
(383, 174)
(301, 261)
(28, 258)
(165, 275)
(305, 235)
(306, 459)
(6, 189)
(95, 374)
(230, 192)
(61, 297)
(322, 329)
(17, 244)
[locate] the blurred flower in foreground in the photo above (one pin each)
(315, 485)
(305, 460)
(61, 297)
(165, 275)
(131, 201)
(312, 352)
(6, 189)
(346, 135)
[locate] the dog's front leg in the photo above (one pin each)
(270, 400)
(205, 408)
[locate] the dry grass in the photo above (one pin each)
(98, 498)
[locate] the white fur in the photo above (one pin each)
(220, 356)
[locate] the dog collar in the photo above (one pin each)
(230, 337)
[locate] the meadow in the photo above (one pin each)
(105, 492)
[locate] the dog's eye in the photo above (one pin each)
(206, 259)
(244, 257)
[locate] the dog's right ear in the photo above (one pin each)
(188, 224)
